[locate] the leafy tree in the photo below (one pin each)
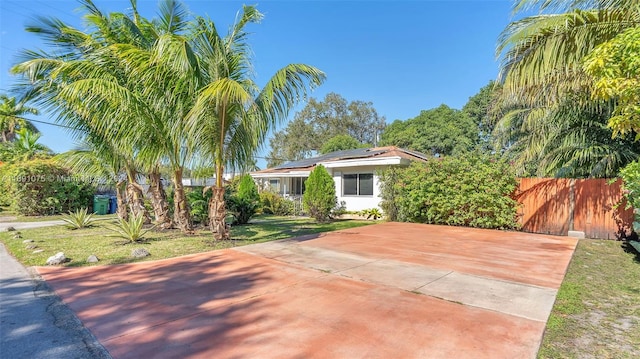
(342, 142)
(442, 130)
(231, 115)
(320, 121)
(11, 120)
(319, 198)
(480, 108)
(615, 65)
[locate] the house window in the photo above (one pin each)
(360, 184)
(297, 185)
(274, 184)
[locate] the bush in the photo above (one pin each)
(244, 203)
(389, 193)
(198, 204)
(42, 187)
(472, 191)
(630, 175)
(273, 203)
(320, 195)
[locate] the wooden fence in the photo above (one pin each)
(558, 205)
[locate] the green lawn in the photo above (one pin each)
(6, 212)
(597, 311)
(80, 244)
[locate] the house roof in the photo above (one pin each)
(307, 164)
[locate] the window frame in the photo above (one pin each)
(358, 184)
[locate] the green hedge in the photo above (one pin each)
(42, 187)
(472, 191)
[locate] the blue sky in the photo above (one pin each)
(403, 56)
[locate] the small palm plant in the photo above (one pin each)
(371, 213)
(79, 219)
(132, 229)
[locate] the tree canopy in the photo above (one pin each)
(439, 131)
(341, 143)
(320, 121)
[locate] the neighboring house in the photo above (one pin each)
(355, 173)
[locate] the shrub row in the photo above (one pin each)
(473, 190)
(42, 187)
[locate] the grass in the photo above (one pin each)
(6, 212)
(597, 309)
(81, 243)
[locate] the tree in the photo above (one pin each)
(340, 143)
(96, 159)
(319, 198)
(550, 121)
(439, 131)
(108, 84)
(480, 108)
(231, 115)
(25, 147)
(615, 66)
(566, 142)
(542, 55)
(11, 120)
(319, 121)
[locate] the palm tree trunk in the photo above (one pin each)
(121, 195)
(217, 215)
(136, 202)
(181, 214)
(217, 210)
(159, 200)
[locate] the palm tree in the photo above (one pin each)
(231, 114)
(25, 147)
(102, 84)
(552, 123)
(542, 55)
(95, 158)
(11, 120)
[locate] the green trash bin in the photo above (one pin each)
(101, 204)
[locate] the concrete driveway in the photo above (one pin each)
(392, 290)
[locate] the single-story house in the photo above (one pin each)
(355, 173)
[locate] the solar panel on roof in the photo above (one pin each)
(337, 155)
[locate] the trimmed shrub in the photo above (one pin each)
(473, 191)
(42, 187)
(319, 198)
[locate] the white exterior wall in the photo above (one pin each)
(358, 203)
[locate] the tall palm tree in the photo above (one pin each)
(103, 84)
(231, 115)
(11, 119)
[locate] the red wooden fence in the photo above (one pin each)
(558, 205)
